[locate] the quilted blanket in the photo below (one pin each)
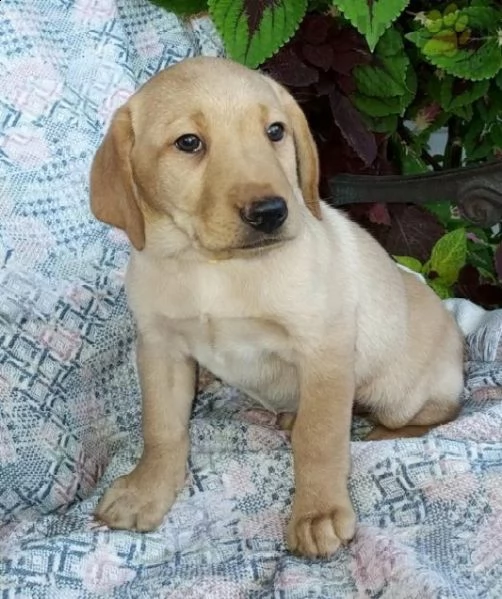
(430, 509)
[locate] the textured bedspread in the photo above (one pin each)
(430, 510)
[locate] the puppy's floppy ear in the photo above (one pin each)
(306, 150)
(113, 192)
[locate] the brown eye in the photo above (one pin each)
(189, 143)
(275, 131)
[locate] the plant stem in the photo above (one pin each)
(453, 150)
(430, 160)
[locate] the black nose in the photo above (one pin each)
(266, 214)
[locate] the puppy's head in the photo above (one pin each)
(207, 155)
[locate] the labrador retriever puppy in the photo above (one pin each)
(237, 265)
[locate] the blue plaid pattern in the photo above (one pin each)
(430, 510)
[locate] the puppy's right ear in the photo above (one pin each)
(113, 192)
(306, 150)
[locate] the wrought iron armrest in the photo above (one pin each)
(476, 190)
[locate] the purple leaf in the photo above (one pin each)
(352, 127)
(490, 295)
(324, 86)
(314, 29)
(344, 62)
(460, 86)
(414, 232)
(346, 84)
(287, 67)
(349, 40)
(319, 56)
(471, 286)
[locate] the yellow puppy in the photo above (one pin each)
(211, 170)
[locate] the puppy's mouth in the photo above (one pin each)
(251, 249)
(261, 244)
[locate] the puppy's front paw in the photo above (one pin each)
(135, 503)
(320, 534)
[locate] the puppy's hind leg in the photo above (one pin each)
(435, 412)
(434, 401)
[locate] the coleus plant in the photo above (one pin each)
(377, 80)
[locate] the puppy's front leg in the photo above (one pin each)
(323, 516)
(140, 500)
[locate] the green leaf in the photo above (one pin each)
(443, 43)
(490, 106)
(498, 79)
(461, 23)
(253, 31)
(371, 17)
(477, 139)
(449, 255)
(434, 21)
(480, 152)
(481, 257)
(409, 262)
(450, 100)
(487, 274)
(378, 107)
(387, 76)
(433, 87)
(411, 86)
(474, 63)
(441, 288)
(496, 134)
(388, 85)
(390, 44)
(385, 79)
(384, 124)
(411, 163)
(484, 18)
(481, 234)
(464, 112)
(183, 7)
(409, 159)
(474, 134)
(445, 213)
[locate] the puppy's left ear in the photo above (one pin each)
(306, 150)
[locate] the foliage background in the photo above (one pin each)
(377, 79)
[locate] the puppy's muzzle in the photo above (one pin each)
(266, 214)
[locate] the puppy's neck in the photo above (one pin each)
(164, 239)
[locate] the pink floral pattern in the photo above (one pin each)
(25, 146)
(102, 570)
(429, 510)
(378, 559)
(487, 546)
(238, 480)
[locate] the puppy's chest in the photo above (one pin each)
(252, 354)
(229, 325)
(231, 346)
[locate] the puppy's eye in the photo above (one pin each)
(275, 131)
(189, 143)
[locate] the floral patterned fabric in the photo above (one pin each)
(430, 510)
